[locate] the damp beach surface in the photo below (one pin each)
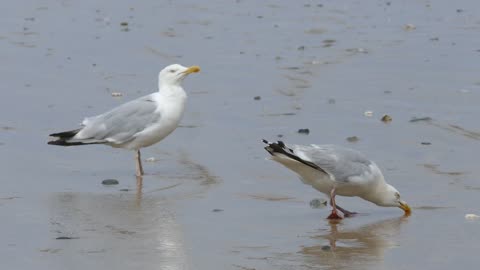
(211, 199)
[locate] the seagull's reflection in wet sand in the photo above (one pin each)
(362, 247)
(127, 230)
(116, 231)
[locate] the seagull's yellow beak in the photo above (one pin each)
(404, 206)
(192, 69)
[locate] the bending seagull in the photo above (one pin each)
(335, 170)
(138, 123)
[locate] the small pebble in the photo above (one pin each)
(301, 48)
(279, 135)
(124, 23)
(331, 101)
(124, 189)
(304, 131)
(318, 203)
(426, 143)
(109, 182)
(386, 118)
(217, 210)
(116, 94)
(353, 139)
(368, 113)
(257, 98)
(472, 216)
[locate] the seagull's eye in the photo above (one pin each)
(173, 70)
(397, 195)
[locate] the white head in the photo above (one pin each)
(390, 197)
(174, 74)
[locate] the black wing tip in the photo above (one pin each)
(65, 134)
(281, 148)
(279, 143)
(276, 147)
(63, 142)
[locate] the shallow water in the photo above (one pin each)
(212, 200)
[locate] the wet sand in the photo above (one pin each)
(211, 200)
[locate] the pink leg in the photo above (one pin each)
(138, 163)
(345, 212)
(334, 214)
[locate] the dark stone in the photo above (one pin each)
(65, 238)
(109, 182)
(418, 119)
(304, 131)
(326, 248)
(352, 139)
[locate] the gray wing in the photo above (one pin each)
(121, 123)
(341, 163)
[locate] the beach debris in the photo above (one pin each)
(110, 182)
(328, 43)
(368, 113)
(65, 238)
(305, 131)
(318, 203)
(409, 27)
(124, 26)
(386, 118)
(357, 50)
(151, 159)
(472, 217)
(418, 119)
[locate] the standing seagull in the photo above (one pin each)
(335, 170)
(138, 123)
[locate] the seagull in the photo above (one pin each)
(138, 123)
(336, 170)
